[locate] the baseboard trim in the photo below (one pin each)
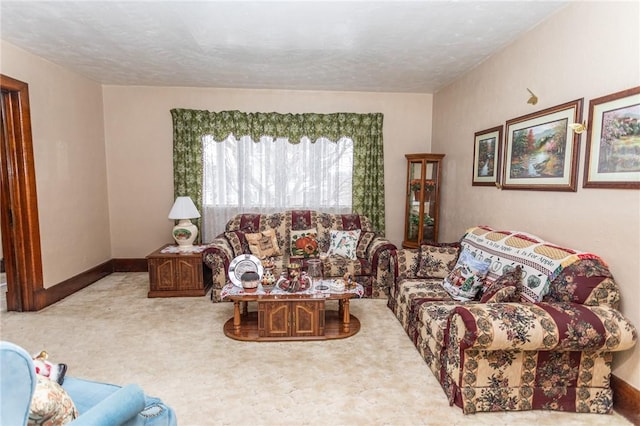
(626, 399)
(130, 265)
(53, 294)
(66, 288)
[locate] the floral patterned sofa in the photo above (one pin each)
(540, 335)
(372, 255)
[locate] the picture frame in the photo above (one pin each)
(487, 156)
(541, 150)
(612, 155)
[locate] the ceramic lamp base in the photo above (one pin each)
(185, 234)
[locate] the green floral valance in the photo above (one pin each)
(292, 126)
(189, 126)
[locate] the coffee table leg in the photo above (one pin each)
(236, 316)
(346, 317)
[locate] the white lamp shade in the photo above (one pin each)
(183, 208)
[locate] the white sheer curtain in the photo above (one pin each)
(271, 176)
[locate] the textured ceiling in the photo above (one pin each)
(390, 46)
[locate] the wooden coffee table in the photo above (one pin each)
(291, 317)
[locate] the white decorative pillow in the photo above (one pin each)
(51, 405)
(466, 278)
(344, 243)
(263, 244)
(304, 243)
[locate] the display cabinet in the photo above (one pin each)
(422, 217)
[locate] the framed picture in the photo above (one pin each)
(612, 158)
(487, 151)
(541, 151)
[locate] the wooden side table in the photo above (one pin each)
(177, 274)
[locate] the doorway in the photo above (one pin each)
(18, 201)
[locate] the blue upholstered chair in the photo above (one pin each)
(98, 404)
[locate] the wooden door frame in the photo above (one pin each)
(18, 201)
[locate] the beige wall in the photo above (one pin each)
(70, 165)
(586, 50)
(138, 132)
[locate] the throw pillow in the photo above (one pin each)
(344, 243)
(466, 278)
(506, 288)
(263, 244)
(437, 260)
(304, 243)
(51, 404)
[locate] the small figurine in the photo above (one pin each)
(349, 282)
(268, 263)
(48, 369)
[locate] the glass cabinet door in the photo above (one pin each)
(422, 199)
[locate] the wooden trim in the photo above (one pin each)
(626, 400)
(68, 287)
(130, 265)
(20, 203)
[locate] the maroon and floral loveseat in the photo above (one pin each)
(540, 334)
(371, 264)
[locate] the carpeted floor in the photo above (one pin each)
(176, 350)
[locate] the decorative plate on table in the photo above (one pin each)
(241, 264)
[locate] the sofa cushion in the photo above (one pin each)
(437, 260)
(304, 243)
(338, 266)
(506, 288)
(263, 244)
(344, 243)
(51, 405)
(466, 278)
(411, 289)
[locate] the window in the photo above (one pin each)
(271, 176)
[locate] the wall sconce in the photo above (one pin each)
(533, 99)
(578, 128)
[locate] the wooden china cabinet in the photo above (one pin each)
(422, 214)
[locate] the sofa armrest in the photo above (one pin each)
(18, 384)
(219, 247)
(217, 257)
(540, 326)
(118, 408)
(381, 254)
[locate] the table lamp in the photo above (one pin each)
(184, 232)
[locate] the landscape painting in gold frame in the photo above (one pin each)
(612, 158)
(541, 151)
(487, 151)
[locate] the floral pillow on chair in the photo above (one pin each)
(344, 243)
(304, 243)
